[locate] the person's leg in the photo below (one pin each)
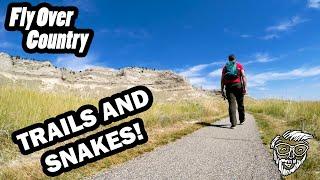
(232, 107)
(241, 111)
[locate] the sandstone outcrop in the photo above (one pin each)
(94, 82)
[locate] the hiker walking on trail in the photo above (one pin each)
(234, 87)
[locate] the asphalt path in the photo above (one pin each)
(213, 152)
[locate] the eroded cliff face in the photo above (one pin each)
(94, 82)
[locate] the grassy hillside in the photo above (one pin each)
(276, 116)
(20, 107)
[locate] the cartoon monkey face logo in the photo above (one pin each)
(290, 150)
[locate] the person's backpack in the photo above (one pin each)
(231, 71)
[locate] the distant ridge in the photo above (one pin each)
(96, 82)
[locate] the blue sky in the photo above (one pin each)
(278, 41)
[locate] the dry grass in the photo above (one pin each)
(276, 116)
(20, 107)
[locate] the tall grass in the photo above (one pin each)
(274, 117)
(20, 107)
(299, 115)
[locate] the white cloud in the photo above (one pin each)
(200, 76)
(216, 73)
(75, 63)
(198, 81)
(284, 26)
(270, 37)
(197, 69)
(314, 4)
(274, 31)
(203, 82)
(194, 70)
(262, 88)
(261, 58)
(256, 80)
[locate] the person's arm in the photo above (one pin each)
(222, 85)
(244, 78)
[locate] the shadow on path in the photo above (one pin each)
(214, 125)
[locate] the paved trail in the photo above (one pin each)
(213, 152)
